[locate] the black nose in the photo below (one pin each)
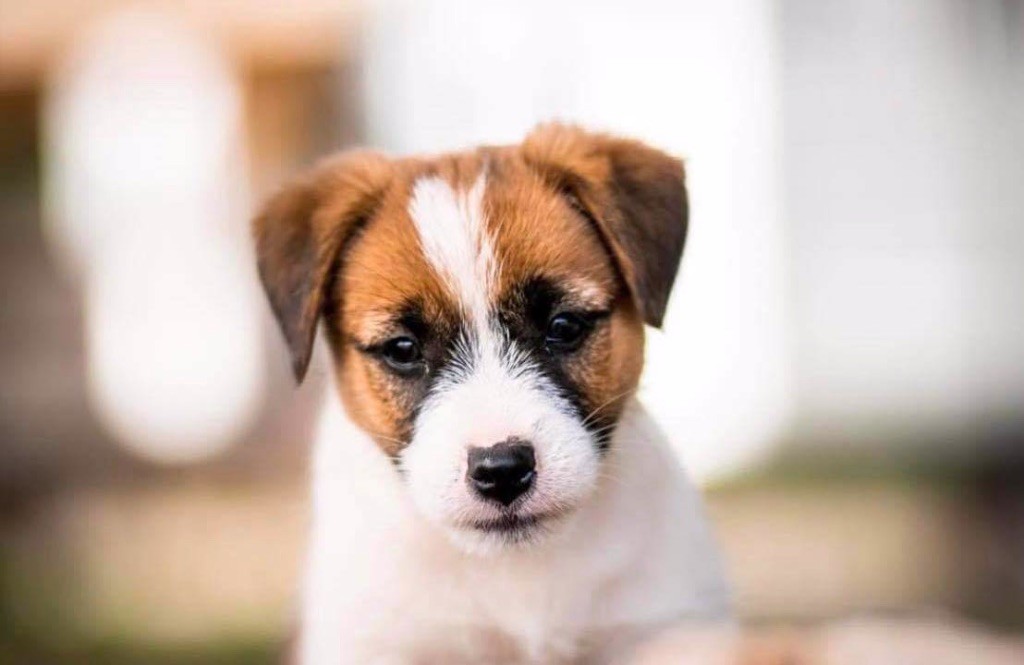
(502, 472)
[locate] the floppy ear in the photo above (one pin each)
(634, 195)
(299, 234)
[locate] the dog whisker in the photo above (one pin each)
(607, 403)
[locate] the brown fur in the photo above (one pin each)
(571, 207)
(635, 195)
(299, 233)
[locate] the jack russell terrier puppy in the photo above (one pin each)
(487, 488)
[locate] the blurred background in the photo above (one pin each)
(842, 366)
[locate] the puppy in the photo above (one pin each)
(487, 489)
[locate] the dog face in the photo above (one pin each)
(485, 311)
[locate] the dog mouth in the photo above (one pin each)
(508, 523)
(513, 527)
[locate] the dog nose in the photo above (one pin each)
(502, 472)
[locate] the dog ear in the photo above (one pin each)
(299, 233)
(634, 195)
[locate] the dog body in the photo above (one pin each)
(487, 487)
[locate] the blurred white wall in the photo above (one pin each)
(903, 136)
(696, 78)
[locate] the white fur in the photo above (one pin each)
(453, 234)
(385, 586)
(495, 401)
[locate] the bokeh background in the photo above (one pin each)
(842, 366)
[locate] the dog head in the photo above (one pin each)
(485, 311)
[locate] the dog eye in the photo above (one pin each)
(402, 354)
(565, 332)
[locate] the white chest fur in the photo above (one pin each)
(382, 585)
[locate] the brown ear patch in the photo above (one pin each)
(634, 195)
(299, 233)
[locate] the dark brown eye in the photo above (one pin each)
(565, 332)
(402, 354)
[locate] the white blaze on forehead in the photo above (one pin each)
(453, 234)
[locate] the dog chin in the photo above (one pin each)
(508, 532)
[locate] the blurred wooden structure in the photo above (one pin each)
(293, 60)
(258, 34)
